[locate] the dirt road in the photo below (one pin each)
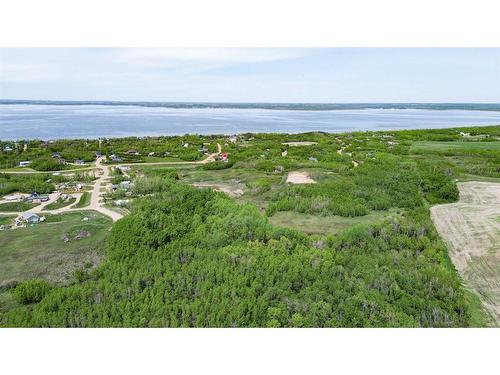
(471, 228)
(102, 174)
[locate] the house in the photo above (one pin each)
(35, 197)
(61, 161)
(233, 138)
(14, 198)
(186, 145)
(151, 154)
(7, 148)
(284, 153)
(31, 218)
(56, 155)
(132, 152)
(115, 158)
(312, 158)
(203, 149)
(123, 168)
(224, 156)
(126, 184)
(44, 144)
(79, 162)
(24, 163)
(98, 154)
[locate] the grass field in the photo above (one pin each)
(84, 200)
(16, 206)
(454, 146)
(41, 252)
(6, 219)
(312, 224)
(59, 203)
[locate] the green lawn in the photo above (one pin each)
(59, 203)
(6, 219)
(16, 206)
(40, 251)
(84, 200)
(454, 146)
(312, 224)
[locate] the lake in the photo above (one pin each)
(29, 121)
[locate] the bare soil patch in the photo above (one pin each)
(304, 143)
(299, 178)
(471, 229)
(231, 190)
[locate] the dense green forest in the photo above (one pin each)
(186, 257)
(195, 258)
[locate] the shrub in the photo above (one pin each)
(218, 165)
(31, 291)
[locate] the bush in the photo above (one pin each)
(46, 164)
(218, 165)
(31, 291)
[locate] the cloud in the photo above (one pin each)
(208, 55)
(27, 72)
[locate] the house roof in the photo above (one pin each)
(29, 215)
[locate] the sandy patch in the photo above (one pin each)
(299, 178)
(471, 228)
(300, 143)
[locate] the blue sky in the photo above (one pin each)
(252, 75)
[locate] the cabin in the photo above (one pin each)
(35, 197)
(126, 184)
(132, 152)
(79, 162)
(56, 155)
(31, 218)
(24, 163)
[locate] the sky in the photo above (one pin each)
(286, 75)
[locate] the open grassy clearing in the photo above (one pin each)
(420, 146)
(84, 200)
(325, 225)
(4, 219)
(16, 206)
(54, 249)
(59, 203)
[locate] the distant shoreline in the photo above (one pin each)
(272, 106)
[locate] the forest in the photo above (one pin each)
(190, 257)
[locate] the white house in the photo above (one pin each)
(24, 163)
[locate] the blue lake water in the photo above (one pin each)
(28, 121)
